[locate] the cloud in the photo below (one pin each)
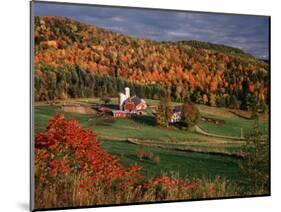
(117, 19)
(179, 34)
(249, 33)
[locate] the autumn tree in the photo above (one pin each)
(212, 100)
(190, 115)
(164, 112)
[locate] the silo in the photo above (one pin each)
(127, 92)
(122, 98)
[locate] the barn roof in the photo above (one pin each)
(134, 99)
(177, 108)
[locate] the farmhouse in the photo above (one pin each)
(176, 117)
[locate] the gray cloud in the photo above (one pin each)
(249, 33)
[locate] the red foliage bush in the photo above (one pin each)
(67, 149)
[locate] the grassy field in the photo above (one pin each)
(232, 125)
(187, 165)
(113, 138)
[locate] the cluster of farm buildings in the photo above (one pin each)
(130, 106)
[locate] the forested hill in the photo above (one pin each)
(216, 47)
(74, 59)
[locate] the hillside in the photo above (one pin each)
(73, 59)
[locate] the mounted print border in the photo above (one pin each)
(139, 105)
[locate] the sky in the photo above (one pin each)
(249, 33)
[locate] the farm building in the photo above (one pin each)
(126, 113)
(128, 106)
(127, 103)
(120, 114)
(134, 103)
(176, 117)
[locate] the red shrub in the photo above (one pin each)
(67, 149)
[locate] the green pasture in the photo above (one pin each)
(114, 133)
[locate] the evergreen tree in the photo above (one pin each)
(252, 105)
(245, 91)
(255, 165)
(233, 102)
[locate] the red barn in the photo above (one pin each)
(129, 105)
(134, 103)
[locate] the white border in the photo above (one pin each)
(14, 89)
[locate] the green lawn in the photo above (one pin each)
(232, 127)
(190, 165)
(122, 128)
(143, 128)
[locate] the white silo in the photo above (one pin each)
(127, 92)
(122, 98)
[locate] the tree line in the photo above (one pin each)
(71, 81)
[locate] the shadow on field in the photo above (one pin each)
(144, 119)
(111, 106)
